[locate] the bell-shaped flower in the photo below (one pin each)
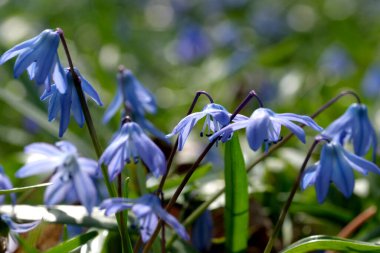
(336, 165)
(68, 103)
(5, 184)
(132, 94)
(132, 142)
(11, 229)
(39, 57)
(72, 178)
(264, 126)
(216, 118)
(355, 126)
(147, 210)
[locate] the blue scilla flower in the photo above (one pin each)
(135, 97)
(355, 126)
(147, 210)
(5, 183)
(39, 57)
(264, 126)
(371, 81)
(201, 232)
(10, 228)
(69, 102)
(336, 165)
(216, 118)
(132, 142)
(73, 176)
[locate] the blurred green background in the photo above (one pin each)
(295, 54)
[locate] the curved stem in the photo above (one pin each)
(126, 244)
(288, 202)
(250, 95)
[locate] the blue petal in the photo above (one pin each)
(59, 189)
(148, 224)
(89, 90)
(19, 228)
(151, 155)
(37, 167)
(171, 221)
(59, 76)
(322, 182)
(360, 164)
(115, 205)
(227, 131)
(85, 190)
(309, 176)
(342, 174)
(257, 129)
(148, 126)
(297, 130)
(18, 49)
(113, 107)
(306, 120)
(88, 166)
(65, 113)
(43, 149)
(76, 108)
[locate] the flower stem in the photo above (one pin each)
(250, 95)
(195, 214)
(288, 202)
(126, 244)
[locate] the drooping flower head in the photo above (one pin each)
(147, 210)
(336, 165)
(68, 103)
(5, 183)
(355, 126)
(72, 178)
(264, 127)
(10, 228)
(216, 118)
(39, 57)
(132, 94)
(131, 143)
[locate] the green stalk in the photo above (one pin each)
(126, 243)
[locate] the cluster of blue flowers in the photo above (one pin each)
(70, 172)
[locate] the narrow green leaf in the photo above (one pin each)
(21, 189)
(322, 242)
(73, 243)
(25, 246)
(236, 212)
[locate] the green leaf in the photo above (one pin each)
(236, 212)
(21, 189)
(73, 243)
(25, 246)
(322, 242)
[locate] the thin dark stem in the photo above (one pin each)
(126, 245)
(288, 202)
(250, 95)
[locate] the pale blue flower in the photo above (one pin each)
(73, 176)
(131, 143)
(147, 210)
(336, 165)
(132, 94)
(355, 126)
(68, 103)
(264, 127)
(13, 228)
(39, 57)
(216, 118)
(5, 184)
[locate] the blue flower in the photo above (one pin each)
(201, 232)
(264, 126)
(5, 183)
(134, 96)
(216, 118)
(39, 57)
(149, 127)
(69, 102)
(12, 229)
(147, 210)
(131, 142)
(335, 165)
(354, 125)
(371, 81)
(73, 176)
